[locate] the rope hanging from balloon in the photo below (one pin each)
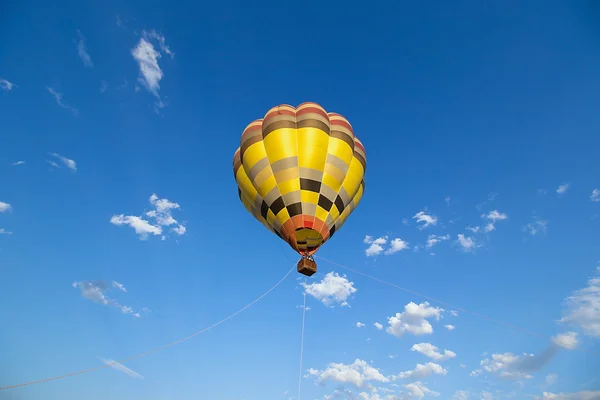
(84, 371)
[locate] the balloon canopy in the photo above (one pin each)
(300, 172)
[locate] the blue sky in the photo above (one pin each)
(121, 229)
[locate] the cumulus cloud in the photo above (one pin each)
(360, 325)
(414, 320)
(378, 326)
(72, 165)
(466, 243)
(417, 390)
(516, 367)
(376, 246)
(581, 308)
(423, 371)
(58, 97)
(82, 50)
(493, 216)
(566, 340)
(595, 195)
(332, 289)
(121, 368)
(96, 291)
(449, 327)
(562, 189)
(358, 374)
(158, 218)
(425, 219)
(584, 395)
(431, 351)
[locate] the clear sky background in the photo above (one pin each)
(481, 125)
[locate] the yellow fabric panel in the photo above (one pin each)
(321, 213)
(334, 213)
(312, 148)
(339, 148)
(265, 181)
(281, 143)
(309, 197)
(253, 154)
(271, 217)
(330, 181)
(353, 177)
(289, 186)
(283, 216)
(245, 185)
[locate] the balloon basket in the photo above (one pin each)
(307, 266)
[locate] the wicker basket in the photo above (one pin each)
(307, 267)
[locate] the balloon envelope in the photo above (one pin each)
(300, 172)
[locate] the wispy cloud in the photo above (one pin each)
(82, 50)
(18, 163)
(6, 85)
(536, 226)
(103, 86)
(147, 57)
(59, 100)
(376, 246)
(96, 291)
(425, 219)
(121, 368)
(72, 165)
(582, 307)
(595, 195)
(466, 243)
(4, 207)
(562, 189)
(5, 232)
(161, 217)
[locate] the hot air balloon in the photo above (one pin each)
(300, 172)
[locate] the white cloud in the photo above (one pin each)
(378, 326)
(6, 85)
(96, 292)
(396, 245)
(4, 207)
(582, 307)
(506, 365)
(474, 229)
(82, 50)
(431, 351)
(413, 320)
(417, 390)
(423, 371)
(5, 232)
(358, 373)
(585, 395)
(493, 216)
(467, 243)
(450, 327)
(566, 340)
(20, 162)
(360, 325)
(59, 100)
(376, 245)
(454, 313)
(433, 239)
(121, 368)
(331, 290)
(426, 219)
(447, 200)
(72, 165)
(103, 86)
(595, 195)
(536, 226)
(461, 395)
(147, 58)
(161, 214)
(562, 189)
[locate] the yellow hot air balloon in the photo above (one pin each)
(300, 172)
